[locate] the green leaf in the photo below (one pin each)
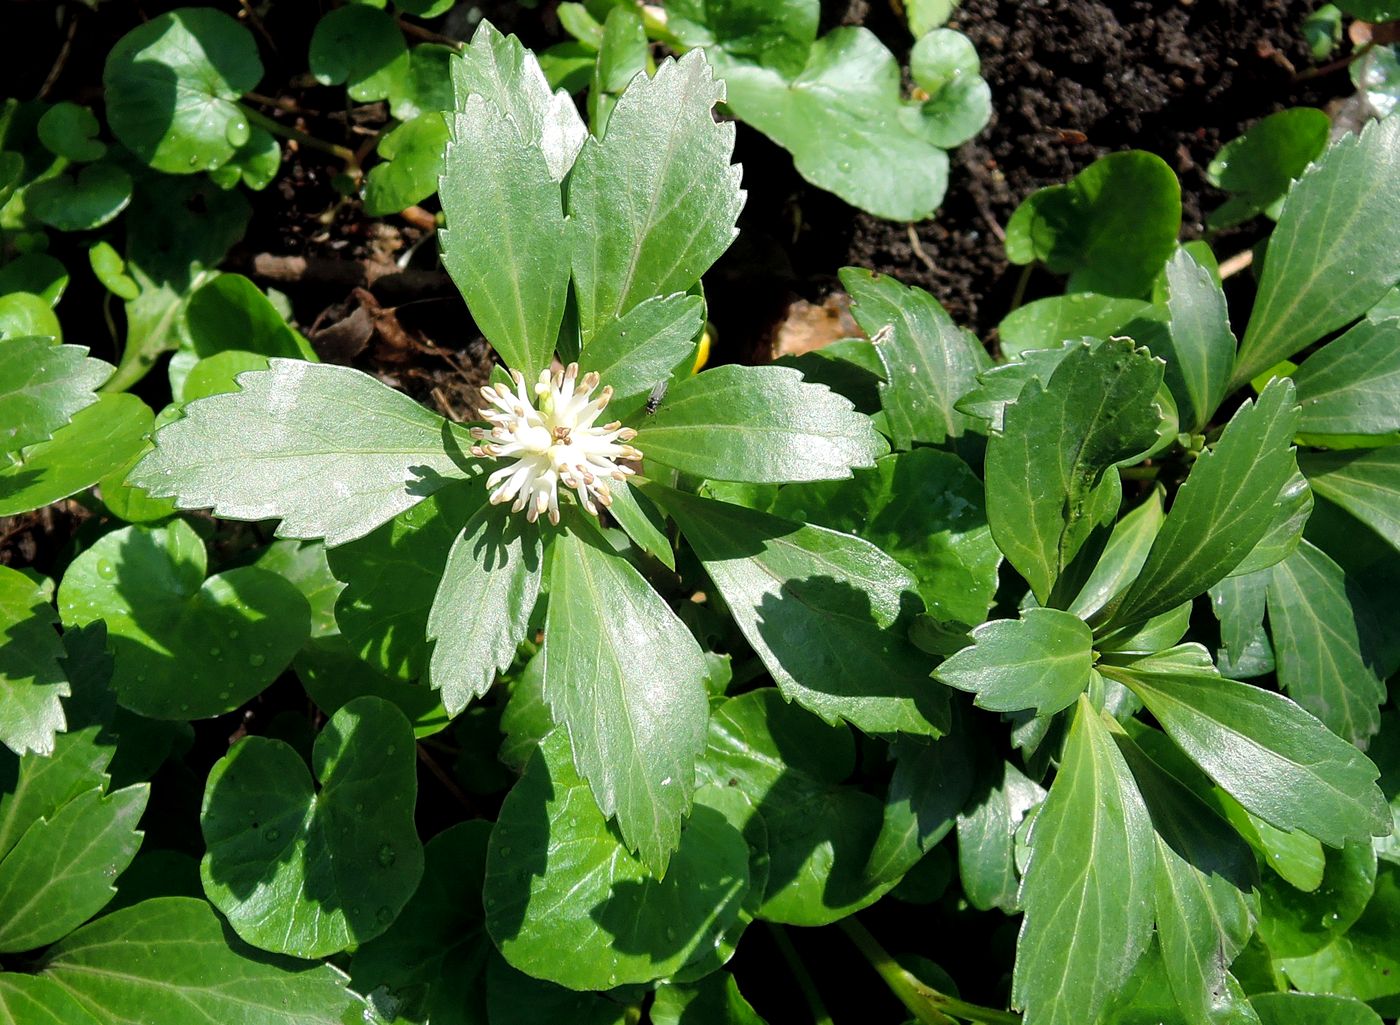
(214, 375)
(1040, 661)
(333, 677)
(1222, 510)
(1293, 923)
(1049, 471)
(433, 958)
(1111, 228)
(1261, 165)
(1122, 556)
(643, 348)
(31, 679)
(1202, 881)
(100, 439)
(391, 576)
(987, 826)
(924, 509)
(1312, 1009)
(622, 54)
(230, 312)
(1291, 512)
(1364, 483)
(37, 273)
(413, 162)
(1352, 385)
(428, 88)
(929, 362)
(186, 647)
(821, 834)
(1050, 322)
(61, 871)
(643, 522)
(1325, 644)
(758, 425)
(172, 85)
(80, 202)
(69, 130)
(507, 75)
(307, 872)
(715, 1000)
(843, 120)
(828, 614)
(1364, 961)
(167, 261)
(604, 681)
(23, 314)
(506, 244)
(1270, 755)
(929, 786)
(565, 901)
(655, 200)
(136, 964)
(481, 610)
(329, 450)
(1091, 862)
(1238, 603)
(514, 998)
(1331, 257)
(362, 48)
(1200, 348)
(773, 35)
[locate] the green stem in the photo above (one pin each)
(923, 1001)
(310, 141)
(1020, 294)
(799, 970)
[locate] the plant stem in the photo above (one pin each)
(311, 142)
(1021, 283)
(1338, 64)
(923, 1001)
(799, 971)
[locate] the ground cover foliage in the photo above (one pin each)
(599, 702)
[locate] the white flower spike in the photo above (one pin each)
(552, 445)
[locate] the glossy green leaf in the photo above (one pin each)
(1222, 510)
(929, 786)
(820, 833)
(333, 677)
(715, 999)
(827, 612)
(565, 901)
(391, 576)
(1291, 512)
(88, 199)
(1051, 485)
(100, 439)
(654, 201)
(230, 312)
(1273, 757)
(507, 75)
(604, 683)
(1122, 556)
(1364, 483)
(1325, 644)
(1352, 385)
(1092, 860)
(329, 450)
(481, 609)
(987, 826)
(137, 964)
(644, 348)
(506, 244)
(166, 261)
(32, 679)
(432, 960)
(172, 85)
(428, 88)
(843, 120)
(1200, 348)
(37, 273)
(69, 130)
(1111, 228)
(622, 54)
(923, 508)
(1050, 322)
(309, 872)
(1238, 603)
(23, 314)
(1261, 165)
(1294, 923)
(186, 647)
(413, 162)
(929, 362)
(1312, 1009)
(759, 425)
(61, 871)
(1331, 257)
(1364, 961)
(1039, 661)
(362, 48)
(774, 35)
